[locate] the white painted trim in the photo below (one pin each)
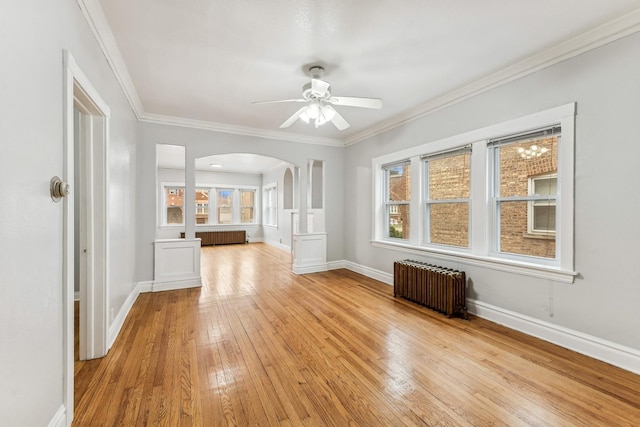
(78, 88)
(239, 130)
(59, 418)
(118, 320)
(336, 265)
(172, 285)
(592, 39)
(596, 37)
(278, 245)
(310, 268)
(372, 273)
(94, 15)
(176, 264)
(597, 348)
(481, 253)
(599, 36)
(532, 270)
(145, 286)
(615, 354)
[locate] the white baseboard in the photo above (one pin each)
(336, 265)
(615, 354)
(176, 284)
(316, 268)
(278, 245)
(372, 273)
(60, 418)
(606, 351)
(118, 321)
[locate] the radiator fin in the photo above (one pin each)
(220, 237)
(439, 288)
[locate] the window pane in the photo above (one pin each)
(225, 200)
(175, 211)
(544, 218)
(399, 180)
(544, 186)
(514, 236)
(449, 224)
(398, 221)
(247, 198)
(449, 177)
(520, 161)
(202, 206)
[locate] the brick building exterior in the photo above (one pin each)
(526, 227)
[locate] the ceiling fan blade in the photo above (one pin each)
(293, 118)
(319, 87)
(350, 101)
(337, 119)
(281, 100)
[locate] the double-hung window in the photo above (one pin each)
(202, 205)
(448, 188)
(398, 198)
(247, 203)
(524, 192)
(225, 206)
(270, 205)
(174, 205)
(499, 197)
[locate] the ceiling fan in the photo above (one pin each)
(320, 101)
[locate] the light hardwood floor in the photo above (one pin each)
(257, 345)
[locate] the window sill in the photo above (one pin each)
(515, 267)
(540, 236)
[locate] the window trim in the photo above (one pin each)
(481, 252)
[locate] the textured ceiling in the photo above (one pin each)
(207, 60)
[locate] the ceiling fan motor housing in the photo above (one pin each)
(308, 93)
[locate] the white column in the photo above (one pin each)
(189, 197)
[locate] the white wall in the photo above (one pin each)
(201, 143)
(34, 34)
(603, 302)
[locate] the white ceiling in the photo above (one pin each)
(205, 61)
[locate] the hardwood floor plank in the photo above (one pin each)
(258, 345)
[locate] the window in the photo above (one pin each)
(398, 196)
(225, 205)
(542, 213)
(202, 206)
(525, 193)
(270, 205)
(247, 201)
(499, 197)
(213, 205)
(174, 205)
(448, 188)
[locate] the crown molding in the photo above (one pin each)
(592, 39)
(102, 31)
(94, 15)
(238, 130)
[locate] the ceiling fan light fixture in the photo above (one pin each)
(317, 93)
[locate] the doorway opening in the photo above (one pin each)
(85, 255)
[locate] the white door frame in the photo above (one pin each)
(79, 92)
